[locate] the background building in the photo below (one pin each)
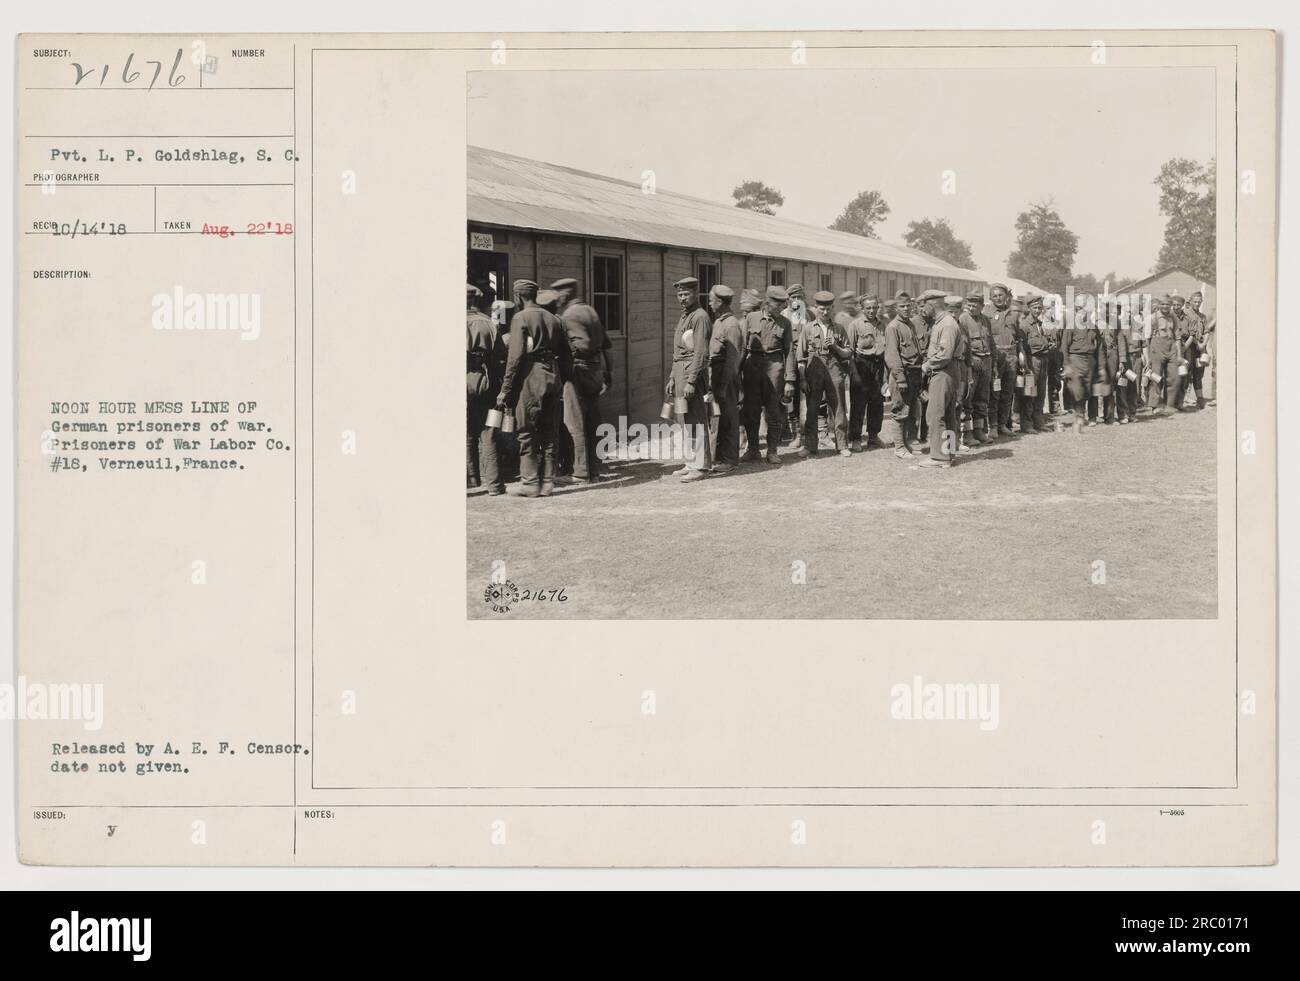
(1173, 281)
(627, 243)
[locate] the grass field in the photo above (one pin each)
(1010, 532)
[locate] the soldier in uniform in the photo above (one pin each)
(1005, 324)
(926, 309)
(1132, 342)
(866, 339)
(1080, 345)
(507, 442)
(1208, 339)
(690, 379)
(482, 381)
(726, 348)
(768, 372)
(1038, 349)
(1102, 407)
(979, 335)
(531, 387)
(1165, 357)
(942, 371)
(1178, 314)
(590, 377)
(749, 302)
(1192, 333)
(903, 357)
(798, 314)
(825, 360)
(1052, 328)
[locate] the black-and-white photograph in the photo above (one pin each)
(915, 344)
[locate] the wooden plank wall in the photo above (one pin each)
(642, 353)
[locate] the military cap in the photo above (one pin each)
(934, 295)
(564, 284)
(1031, 299)
(871, 298)
(1179, 298)
(472, 292)
(722, 292)
(687, 282)
(823, 296)
(977, 295)
(953, 300)
(848, 295)
(777, 293)
(901, 296)
(749, 292)
(1017, 304)
(795, 290)
(889, 304)
(1200, 294)
(524, 286)
(999, 286)
(547, 297)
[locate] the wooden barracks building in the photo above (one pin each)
(533, 220)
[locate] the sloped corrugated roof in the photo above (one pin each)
(524, 193)
(1018, 287)
(1138, 283)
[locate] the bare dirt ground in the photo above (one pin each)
(1012, 531)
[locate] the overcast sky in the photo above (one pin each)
(1092, 139)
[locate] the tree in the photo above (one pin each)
(1045, 248)
(1088, 283)
(938, 239)
(757, 196)
(1187, 203)
(861, 215)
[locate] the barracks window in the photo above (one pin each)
(607, 290)
(826, 281)
(776, 277)
(862, 286)
(707, 274)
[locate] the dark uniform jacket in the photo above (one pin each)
(768, 336)
(823, 341)
(482, 341)
(1164, 337)
(691, 345)
(866, 338)
(947, 345)
(1037, 342)
(1080, 342)
(902, 349)
(921, 328)
(726, 348)
(537, 337)
(979, 334)
(588, 345)
(1005, 328)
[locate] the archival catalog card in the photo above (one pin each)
(870, 449)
